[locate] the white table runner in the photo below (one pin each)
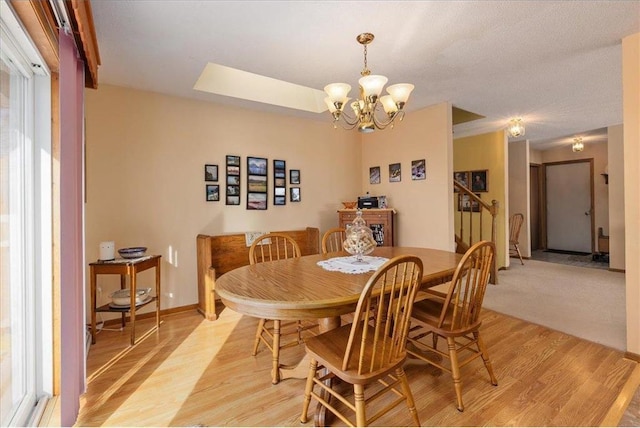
(349, 264)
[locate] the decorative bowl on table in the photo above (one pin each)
(132, 252)
(123, 297)
(359, 239)
(349, 205)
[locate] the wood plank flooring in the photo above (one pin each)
(195, 372)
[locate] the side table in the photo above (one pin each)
(126, 268)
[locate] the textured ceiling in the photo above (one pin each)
(557, 64)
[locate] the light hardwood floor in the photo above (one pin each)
(195, 372)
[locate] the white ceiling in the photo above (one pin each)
(557, 64)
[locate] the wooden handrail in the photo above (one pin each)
(465, 239)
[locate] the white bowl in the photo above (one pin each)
(123, 297)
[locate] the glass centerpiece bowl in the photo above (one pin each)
(359, 239)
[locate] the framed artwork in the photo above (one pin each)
(465, 203)
(211, 173)
(279, 182)
(294, 176)
(418, 169)
(233, 160)
(213, 192)
(257, 183)
(394, 172)
(374, 175)
(295, 194)
(256, 201)
(479, 181)
(233, 180)
(462, 177)
(256, 166)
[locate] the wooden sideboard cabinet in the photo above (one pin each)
(379, 220)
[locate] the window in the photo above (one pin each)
(25, 224)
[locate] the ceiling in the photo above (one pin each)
(556, 64)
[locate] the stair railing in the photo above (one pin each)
(470, 229)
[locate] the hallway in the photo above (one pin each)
(568, 259)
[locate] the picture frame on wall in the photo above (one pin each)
(295, 194)
(395, 172)
(232, 180)
(279, 182)
(233, 160)
(213, 192)
(418, 169)
(294, 176)
(374, 175)
(257, 166)
(462, 177)
(210, 172)
(466, 203)
(257, 183)
(479, 181)
(256, 201)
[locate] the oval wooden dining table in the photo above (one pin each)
(299, 288)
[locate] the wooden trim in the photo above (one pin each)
(631, 356)
(41, 24)
(615, 413)
(56, 238)
(85, 34)
(617, 270)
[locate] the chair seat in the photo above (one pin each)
(428, 311)
(328, 349)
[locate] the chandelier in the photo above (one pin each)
(516, 127)
(577, 145)
(365, 107)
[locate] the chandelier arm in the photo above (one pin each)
(351, 121)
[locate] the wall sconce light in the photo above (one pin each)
(516, 127)
(577, 145)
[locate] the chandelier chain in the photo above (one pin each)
(365, 71)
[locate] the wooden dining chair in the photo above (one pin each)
(267, 248)
(457, 319)
(372, 349)
(515, 224)
(332, 240)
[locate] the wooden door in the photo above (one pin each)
(569, 205)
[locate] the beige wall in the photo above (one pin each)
(145, 176)
(616, 228)
(631, 113)
(488, 151)
(597, 151)
(422, 219)
(519, 190)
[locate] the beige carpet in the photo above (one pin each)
(584, 302)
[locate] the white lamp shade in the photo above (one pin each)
(357, 106)
(338, 92)
(372, 85)
(332, 107)
(388, 104)
(400, 92)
